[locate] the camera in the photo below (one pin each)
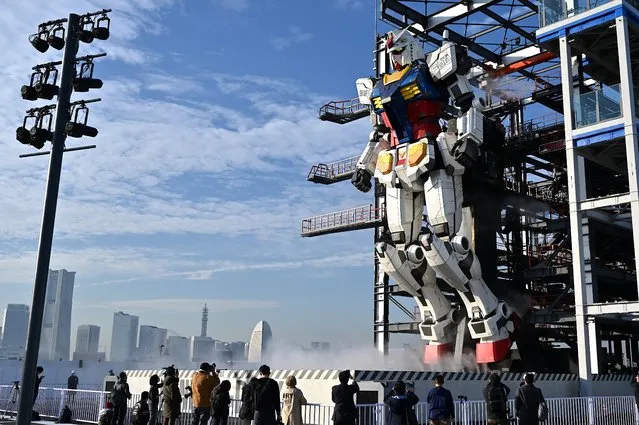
(170, 371)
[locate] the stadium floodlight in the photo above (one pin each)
(40, 132)
(78, 127)
(84, 80)
(102, 28)
(42, 84)
(86, 31)
(56, 37)
(39, 40)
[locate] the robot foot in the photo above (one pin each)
(492, 351)
(435, 353)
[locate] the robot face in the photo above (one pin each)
(403, 48)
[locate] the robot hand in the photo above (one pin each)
(362, 180)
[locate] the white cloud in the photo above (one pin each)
(296, 36)
(336, 261)
(187, 305)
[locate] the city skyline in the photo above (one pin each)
(197, 188)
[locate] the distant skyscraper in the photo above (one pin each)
(177, 348)
(55, 341)
(259, 343)
(87, 339)
(202, 348)
(124, 336)
(152, 341)
(205, 321)
(14, 326)
(238, 350)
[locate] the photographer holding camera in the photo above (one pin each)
(172, 396)
(202, 386)
(345, 412)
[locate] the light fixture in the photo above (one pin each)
(78, 130)
(28, 93)
(46, 90)
(56, 38)
(39, 41)
(101, 29)
(85, 81)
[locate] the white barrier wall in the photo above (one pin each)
(317, 384)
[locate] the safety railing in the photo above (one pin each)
(343, 111)
(352, 217)
(86, 406)
(597, 106)
(333, 171)
(551, 11)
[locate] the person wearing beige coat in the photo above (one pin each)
(293, 399)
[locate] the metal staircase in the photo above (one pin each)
(343, 111)
(333, 172)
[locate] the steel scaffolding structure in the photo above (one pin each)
(563, 185)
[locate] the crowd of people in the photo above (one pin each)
(262, 404)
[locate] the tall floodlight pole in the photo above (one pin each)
(68, 122)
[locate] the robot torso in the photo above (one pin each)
(409, 103)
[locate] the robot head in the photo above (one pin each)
(403, 48)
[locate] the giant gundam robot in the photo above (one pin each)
(416, 152)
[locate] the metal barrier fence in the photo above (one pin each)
(86, 406)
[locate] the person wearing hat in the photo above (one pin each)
(106, 415)
(202, 386)
(401, 401)
(119, 396)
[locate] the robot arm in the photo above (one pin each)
(470, 135)
(365, 170)
(450, 64)
(377, 141)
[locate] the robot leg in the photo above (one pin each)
(411, 272)
(457, 264)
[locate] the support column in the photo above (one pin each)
(628, 110)
(576, 192)
(381, 296)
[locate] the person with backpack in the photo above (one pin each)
(154, 397)
(247, 410)
(119, 396)
(141, 412)
(202, 386)
(345, 412)
(293, 399)
(400, 402)
(440, 403)
(496, 398)
(172, 397)
(530, 405)
(266, 398)
(220, 402)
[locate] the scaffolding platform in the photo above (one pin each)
(333, 172)
(343, 111)
(364, 217)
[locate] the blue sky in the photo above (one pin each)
(208, 127)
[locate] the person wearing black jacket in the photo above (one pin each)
(266, 399)
(527, 402)
(120, 403)
(247, 410)
(496, 398)
(154, 398)
(400, 402)
(635, 384)
(345, 412)
(39, 378)
(221, 400)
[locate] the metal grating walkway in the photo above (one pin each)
(365, 217)
(333, 172)
(343, 111)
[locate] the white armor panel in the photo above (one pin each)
(410, 176)
(404, 212)
(375, 145)
(471, 126)
(444, 197)
(442, 62)
(364, 90)
(445, 142)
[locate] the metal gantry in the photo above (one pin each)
(565, 191)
